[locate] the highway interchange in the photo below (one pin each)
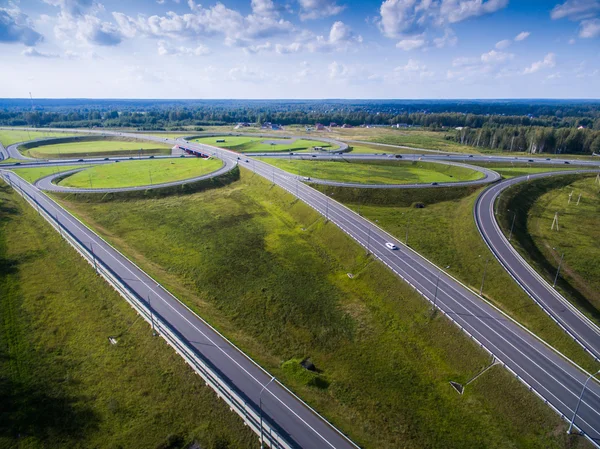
(551, 376)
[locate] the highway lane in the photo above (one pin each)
(546, 372)
(559, 308)
(296, 422)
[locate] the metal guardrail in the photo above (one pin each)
(236, 403)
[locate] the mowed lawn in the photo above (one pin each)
(246, 144)
(34, 173)
(62, 384)
(272, 275)
(513, 170)
(8, 137)
(96, 148)
(141, 173)
(376, 172)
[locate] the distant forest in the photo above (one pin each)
(551, 126)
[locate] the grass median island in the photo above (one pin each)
(141, 173)
(32, 174)
(61, 383)
(248, 144)
(93, 147)
(375, 172)
(535, 204)
(519, 169)
(270, 274)
(10, 136)
(444, 231)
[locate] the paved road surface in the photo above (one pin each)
(559, 308)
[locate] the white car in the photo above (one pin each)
(391, 246)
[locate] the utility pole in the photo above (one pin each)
(151, 316)
(578, 199)
(558, 271)
(437, 283)
(369, 240)
(579, 400)
(407, 227)
(554, 222)
(93, 256)
(570, 195)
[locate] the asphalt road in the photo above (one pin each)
(559, 308)
(297, 423)
(546, 372)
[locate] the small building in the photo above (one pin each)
(333, 125)
(319, 127)
(346, 125)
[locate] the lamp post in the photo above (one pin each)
(579, 400)
(260, 406)
(562, 256)
(512, 225)
(484, 272)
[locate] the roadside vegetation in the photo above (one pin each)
(375, 171)
(140, 173)
(32, 174)
(247, 144)
(92, 146)
(10, 136)
(270, 274)
(62, 384)
(513, 170)
(536, 204)
(444, 231)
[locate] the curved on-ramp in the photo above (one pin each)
(567, 316)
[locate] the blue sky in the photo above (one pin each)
(300, 48)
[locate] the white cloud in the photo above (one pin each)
(16, 27)
(341, 38)
(454, 11)
(504, 44)
(411, 43)
(294, 47)
(166, 49)
(589, 28)
(576, 9)
(496, 57)
(265, 8)
(316, 9)
(33, 53)
(449, 39)
(522, 36)
(549, 61)
(218, 19)
(249, 75)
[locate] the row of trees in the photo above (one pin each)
(532, 139)
(166, 118)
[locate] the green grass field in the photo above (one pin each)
(62, 384)
(376, 172)
(34, 173)
(246, 144)
(535, 204)
(10, 160)
(445, 232)
(513, 170)
(96, 148)
(271, 275)
(8, 137)
(140, 173)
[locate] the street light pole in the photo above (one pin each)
(558, 270)
(512, 226)
(579, 400)
(437, 283)
(260, 406)
(483, 279)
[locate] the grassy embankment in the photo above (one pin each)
(376, 172)
(61, 383)
(519, 169)
(535, 204)
(8, 137)
(34, 173)
(445, 232)
(246, 144)
(270, 274)
(140, 173)
(93, 147)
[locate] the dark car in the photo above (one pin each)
(399, 156)
(239, 158)
(530, 160)
(314, 155)
(567, 162)
(80, 160)
(151, 157)
(106, 159)
(548, 159)
(247, 160)
(434, 183)
(470, 155)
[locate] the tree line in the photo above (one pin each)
(531, 139)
